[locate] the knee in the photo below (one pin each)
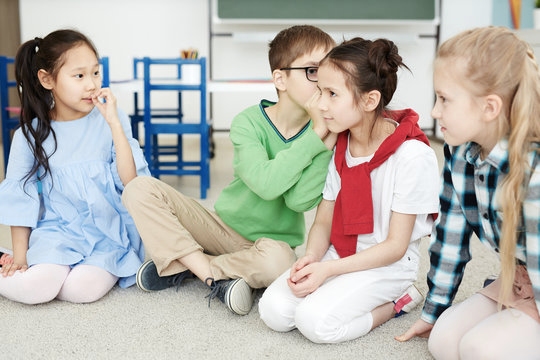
(86, 284)
(82, 292)
(273, 313)
(279, 255)
(308, 322)
(474, 346)
(469, 349)
(315, 326)
(37, 285)
(33, 297)
(437, 345)
(136, 190)
(442, 344)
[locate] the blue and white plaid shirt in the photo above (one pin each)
(468, 204)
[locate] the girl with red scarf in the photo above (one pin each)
(380, 198)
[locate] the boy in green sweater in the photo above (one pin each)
(280, 163)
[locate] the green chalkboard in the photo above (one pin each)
(327, 9)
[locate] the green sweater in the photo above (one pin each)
(275, 179)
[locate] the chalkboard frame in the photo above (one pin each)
(324, 11)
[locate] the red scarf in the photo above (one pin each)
(353, 210)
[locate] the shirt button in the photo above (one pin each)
(481, 177)
(485, 216)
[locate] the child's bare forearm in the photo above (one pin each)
(20, 236)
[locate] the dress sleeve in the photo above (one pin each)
(449, 249)
(296, 173)
(19, 200)
(140, 162)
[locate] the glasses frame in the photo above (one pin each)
(305, 68)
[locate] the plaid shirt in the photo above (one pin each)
(468, 204)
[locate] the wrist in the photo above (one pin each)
(311, 256)
(18, 259)
(321, 132)
(114, 122)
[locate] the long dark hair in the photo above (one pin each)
(36, 101)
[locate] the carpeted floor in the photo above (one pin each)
(179, 324)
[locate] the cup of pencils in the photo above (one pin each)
(190, 53)
(190, 73)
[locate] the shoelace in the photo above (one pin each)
(177, 279)
(217, 289)
(5, 259)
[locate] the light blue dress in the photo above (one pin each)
(79, 219)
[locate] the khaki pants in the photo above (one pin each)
(172, 226)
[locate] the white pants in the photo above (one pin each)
(340, 309)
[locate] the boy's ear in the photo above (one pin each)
(371, 100)
(279, 80)
(45, 79)
(492, 107)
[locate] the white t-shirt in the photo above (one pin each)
(407, 182)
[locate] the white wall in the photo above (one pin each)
(123, 29)
(459, 15)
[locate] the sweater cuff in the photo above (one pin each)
(313, 142)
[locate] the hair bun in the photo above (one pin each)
(385, 57)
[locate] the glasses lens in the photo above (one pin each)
(311, 73)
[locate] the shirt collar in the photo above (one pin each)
(498, 157)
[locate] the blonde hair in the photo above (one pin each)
(498, 62)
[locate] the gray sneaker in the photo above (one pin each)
(236, 294)
(149, 280)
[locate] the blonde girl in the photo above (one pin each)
(488, 103)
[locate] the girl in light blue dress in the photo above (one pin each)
(69, 162)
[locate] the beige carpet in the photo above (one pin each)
(131, 324)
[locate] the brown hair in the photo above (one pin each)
(294, 42)
(498, 62)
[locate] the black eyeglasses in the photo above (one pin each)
(311, 71)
